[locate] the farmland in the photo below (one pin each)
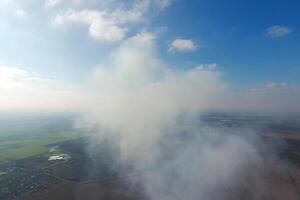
(21, 140)
(26, 173)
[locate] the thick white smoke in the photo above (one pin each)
(136, 95)
(154, 110)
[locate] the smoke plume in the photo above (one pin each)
(154, 111)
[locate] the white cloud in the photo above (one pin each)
(11, 7)
(278, 31)
(158, 3)
(6, 2)
(112, 22)
(52, 2)
(208, 67)
(182, 45)
(9, 76)
(20, 12)
(270, 85)
(269, 97)
(277, 85)
(135, 14)
(100, 25)
(23, 90)
(105, 25)
(163, 3)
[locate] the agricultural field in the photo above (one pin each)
(22, 139)
(22, 148)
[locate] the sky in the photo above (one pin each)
(50, 48)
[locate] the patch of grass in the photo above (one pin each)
(23, 147)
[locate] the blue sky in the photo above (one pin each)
(233, 34)
(252, 43)
(229, 33)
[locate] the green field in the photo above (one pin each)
(22, 148)
(23, 139)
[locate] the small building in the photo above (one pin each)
(3, 173)
(63, 156)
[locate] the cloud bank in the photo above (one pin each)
(270, 97)
(110, 25)
(25, 91)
